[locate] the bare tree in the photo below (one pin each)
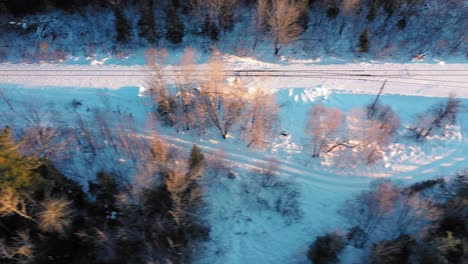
(267, 170)
(186, 85)
(388, 251)
(262, 118)
(102, 121)
(223, 106)
(126, 138)
(85, 135)
(372, 107)
(348, 6)
(438, 118)
(385, 116)
(283, 22)
(219, 11)
(272, 192)
(370, 137)
(47, 142)
(176, 105)
(36, 112)
(260, 20)
(416, 215)
(156, 84)
(7, 100)
(196, 103)
(322, 125)
(369, 209)
(39, 132)
(385, 212)
(215, 161)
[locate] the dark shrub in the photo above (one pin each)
(326, 249)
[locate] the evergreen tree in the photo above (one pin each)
(174, 27)
(391, 6)
(364, 41)
(146, 22)
(304, 18)
(226, 17)
(49, 5)
(3, 9)
(332, 8)
(196, 158)
(105, 190)
(210, 29)
(401, 24)
(372, 11)
(166, 108)
(122, 26)
(16, 171)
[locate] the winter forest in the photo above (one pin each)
(233, 131)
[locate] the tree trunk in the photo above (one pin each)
(277, 47)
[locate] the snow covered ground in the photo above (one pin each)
(245, 227)
(431, 80)
(95, 75)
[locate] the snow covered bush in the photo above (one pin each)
(266, 189)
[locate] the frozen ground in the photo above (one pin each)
(245, 230)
